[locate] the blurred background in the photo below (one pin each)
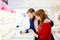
(9, 21)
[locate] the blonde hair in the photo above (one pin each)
(41, 14)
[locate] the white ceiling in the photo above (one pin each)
(32, 3)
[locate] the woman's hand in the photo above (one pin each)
(46, 21)
(32, 32)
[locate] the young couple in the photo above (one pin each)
(40, 25)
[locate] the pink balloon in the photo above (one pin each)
(6, 7)
(0, 4)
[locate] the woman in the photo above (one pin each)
(44, 31)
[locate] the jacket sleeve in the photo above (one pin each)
(27, 30)
(52, 23)
(46, 32)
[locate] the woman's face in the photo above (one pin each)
(38, 18)
(31, 15)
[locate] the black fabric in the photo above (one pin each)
(36, 38)
(52, 37)
(51, 22)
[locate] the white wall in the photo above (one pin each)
(32, 3)
(21, 7)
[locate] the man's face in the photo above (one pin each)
(31, 15)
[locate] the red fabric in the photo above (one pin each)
(45, 32)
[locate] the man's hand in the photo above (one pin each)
(46, 21)
(22, 31)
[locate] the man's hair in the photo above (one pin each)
(31, 10)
